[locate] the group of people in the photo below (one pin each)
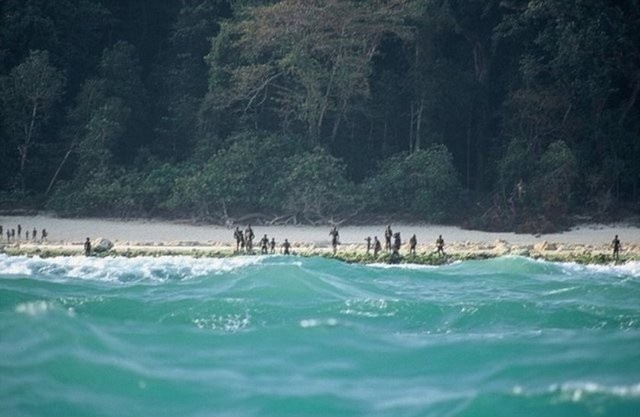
(393, 242)
(244, 242)
(15, 234)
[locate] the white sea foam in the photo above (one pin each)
(14, 265)
(311, 323)
(629, 269)
(228, 323)
(560, 290)
(402, 266)
(34, 308)
(575, 391)
(121, 269)
(369, 307)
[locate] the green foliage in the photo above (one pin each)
(537, 190)
(96, 197)
(72, 31)
(424, 184)
(28, 96)
(314, 186)
(517, 164)
(239, 179)
(555, 179)
(533, 106)
(301, 62)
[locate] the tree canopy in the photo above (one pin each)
(510, 115)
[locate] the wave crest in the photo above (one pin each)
(121, 269)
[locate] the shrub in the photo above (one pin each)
(315, 186)
(424, 184)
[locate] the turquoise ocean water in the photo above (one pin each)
(289, 336)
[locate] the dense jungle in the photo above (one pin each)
(518, 115)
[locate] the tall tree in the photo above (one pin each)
(579, 81)
(29, 94)
(73, 31)
(122, 73)
(92, 95)
(304, 63)
(182, 75)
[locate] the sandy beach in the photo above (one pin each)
(162, 235)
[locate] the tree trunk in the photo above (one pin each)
(55, 175)
(384, 134)
(325, 101)
(468, 162)
(336, 124)
(24, 148)
(412, 114)
(418, 139)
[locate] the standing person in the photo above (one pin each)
(412, 244)
(377, 246)
(13, 234)
(387, 238)
(440, 245)
(368, 240)
(248, 238)
(87, 247)
(34, 235)
(44, 234)
(286, 245)
(334, 239)
(237, 234)
(27, 235)
(264, 245)
(397, 242)
(8, 235)
(19, 232)
(272, 245)
(0, 231)
(616, 248)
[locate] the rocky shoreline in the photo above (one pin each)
(588, 243)
(353, 253)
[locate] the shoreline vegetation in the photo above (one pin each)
(351, 253)
(494, 115)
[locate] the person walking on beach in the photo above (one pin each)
(412, 245)
(27, 235)
(368, 240)
(286, 245)
(377, 246)
(616, 247)
(44, 235)
(264, 245)
(334, 239)
(34, 235)
(248, 238)
(273, 245)
(8, 235)
(387, 238)
(440, 245)
(87, 247)
(19, 232)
